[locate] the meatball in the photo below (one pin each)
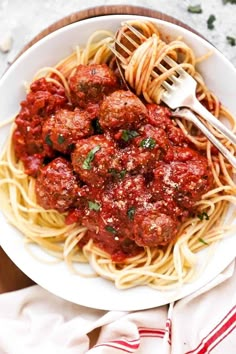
(121, 109)
(56, 186)
(185, 182)
(93, 158)
(181, 154)
(43, 100)
(141, 152)
(62, 130)
(129, 191)
(155, 135)
(193, 179)
(152, 228)
(158, 116)
(90, 83)
(137, 160)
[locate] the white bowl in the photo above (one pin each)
(220, 77)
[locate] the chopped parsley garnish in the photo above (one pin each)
(203, 241)
(129, 134)
(210, 22)
(148, 143)
(231, 40)
(196, 9)
(122, 173)
(94, 206)
(48, 140)
(117, 174)
(203, 216)
(87, 162)
(131, 212)
(111, 229)
(60, 139)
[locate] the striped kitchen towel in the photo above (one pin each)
(33, 321)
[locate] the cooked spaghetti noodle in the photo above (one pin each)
(158, 267)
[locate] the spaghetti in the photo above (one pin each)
(158, 267)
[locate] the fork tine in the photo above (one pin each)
(174, 64)
(135, 31)
(117, 54)
(135, 44)
(162, 68)
(125, 49)
(169, 61)
(173, 78)
(131, 40)
(167, 86)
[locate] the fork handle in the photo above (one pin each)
(198, 108)
(187, 114)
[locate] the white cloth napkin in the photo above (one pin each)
(33, 321)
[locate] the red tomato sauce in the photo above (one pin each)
(113, 163)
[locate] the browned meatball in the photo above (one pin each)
(137, 160)
(93, 158)
(159, 116)
(121, 109)
(90, 83)
(152, 228)
(183, 182)
(128, 191)
(56, 186)
(145, 149)
(62, 130)
(150, 138)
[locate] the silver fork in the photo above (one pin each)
(190, 116)
(181, 93)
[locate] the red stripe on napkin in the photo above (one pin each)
(128, 346)
(156, 332)
(217, 334)
(148, 331)
(115, 347)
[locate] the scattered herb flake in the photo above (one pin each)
(48, 140)
(87, 162)
(129, 134)
(117, 174)
(148, 143)
(60, 139)
(231, 40)
(122, 174)
(131, 212)
(210, 22)
(203, 241)
(196, 9)
(94, 206)
(111, 229)
(203, 216)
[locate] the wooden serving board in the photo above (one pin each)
(11, 277)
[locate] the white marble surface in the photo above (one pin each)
(25, 19)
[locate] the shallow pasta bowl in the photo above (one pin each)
(220, 77)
